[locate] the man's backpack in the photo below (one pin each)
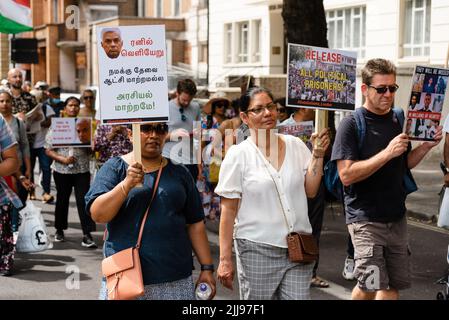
(332, 179)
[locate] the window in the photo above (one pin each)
(55, 11)
(417, 28)
(203, 52)
(176, 7)
(158, 9)
(243, 31)
(228, 43)
(100, 12)
(242, 42)
(346, 29)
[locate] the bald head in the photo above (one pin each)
(15, 78)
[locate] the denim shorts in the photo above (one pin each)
(381, 254)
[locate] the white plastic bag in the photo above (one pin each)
(443, 219)
(33, 236)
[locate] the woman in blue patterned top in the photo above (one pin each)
(8, 165)
(174, 225)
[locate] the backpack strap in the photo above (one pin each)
(360, 126)
(399, 114)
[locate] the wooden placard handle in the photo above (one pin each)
(320, 120)
(137, 146)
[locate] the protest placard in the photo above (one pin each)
(426, 102)
(321, 78)
(132, 74)
(302, 130)
(71, 132)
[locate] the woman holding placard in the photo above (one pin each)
(175, 218)
(71, 170)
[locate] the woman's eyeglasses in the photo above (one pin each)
(383, 89)
(183, 116)
(88, 97)
(160, 128)
(270, 107)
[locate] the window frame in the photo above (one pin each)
(236, 51)
(340, 41)
(424, 45)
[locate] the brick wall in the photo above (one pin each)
(4, 55)
(178, 49)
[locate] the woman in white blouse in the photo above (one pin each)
(264, 183)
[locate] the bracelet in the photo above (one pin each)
(122, 185)
(22, 178)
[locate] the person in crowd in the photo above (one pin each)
(315, 205)
(374, 191)
(111, 42)
(83, 129)
(88, 98)
(264, 184)
(175, 221)
(210, 165)
(282, 110)
(183, 112)
(17, 126)
(26, 87)
(38, 152)
(22, 101)
(54, 101)
(8, 199)
(446, 150)
(71, 170)
(111, 141)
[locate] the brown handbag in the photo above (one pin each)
(302, 247)
(122, 270)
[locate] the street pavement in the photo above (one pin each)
(69, 271)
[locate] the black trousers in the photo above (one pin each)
(64, 184)
(316, 214)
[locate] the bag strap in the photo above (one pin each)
(142, 225)
(264, 161)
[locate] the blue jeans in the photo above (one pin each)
(44, 163)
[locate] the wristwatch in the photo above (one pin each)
(207, 267)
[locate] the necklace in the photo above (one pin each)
(153, 168)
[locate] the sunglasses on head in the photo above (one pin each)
(160, 128)
(183, 116)
(383, 89)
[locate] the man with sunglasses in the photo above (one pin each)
(179, 145)
(374, 193)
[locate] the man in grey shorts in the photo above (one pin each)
(374, 193)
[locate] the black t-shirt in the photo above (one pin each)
(380, 197)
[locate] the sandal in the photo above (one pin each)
(317, 282)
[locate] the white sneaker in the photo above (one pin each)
(348, 269)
